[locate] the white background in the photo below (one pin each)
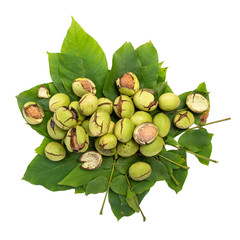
(199, 41)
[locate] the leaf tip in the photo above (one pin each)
(73, 20)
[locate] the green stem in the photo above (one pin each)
(135, 199)
(110, 179)
(175, 180)
(198, 155)
(171, 161)
(199, 126)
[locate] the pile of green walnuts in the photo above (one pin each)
(74, 122)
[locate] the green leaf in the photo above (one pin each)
(119, 206)
(97, 185)
(170, 141)
(206, 152)
(124, 60)
(54, 61)
(202, 88)
(85, 54)
(31, 95)
(162, 74)
(160, 88)
(141, 186)
(132, 200)
(147, 54)
(149, 75)
(178, 175)
(42, 171)
(195, 140)
(159, 170)
(107, 162)
(80, 189)
(119, 185)
(79, 176)
(123, 164)
(70, 68)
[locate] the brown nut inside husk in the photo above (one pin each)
(91, 160)
(33, 113)
(128, 84)
(145, 133)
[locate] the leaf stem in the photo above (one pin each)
(197, 155)
(199, 126)
(171, 161)
(175, 180)
(135, 199)
(110, 179)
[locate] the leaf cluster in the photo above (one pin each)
(81, 56)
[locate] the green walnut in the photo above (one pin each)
(144, 100)
(76, 139)
(55, 151)
(105, 104)
(88, 104)
(128, 84)
(152, 149)
(140, 117)
(85, 125)
(197, 103)
(183, 119)
(73, 106)
(108, 141)
(82, 86)
(127, 149)
(58, 100)
(65, 118)
(163, 123)
(124, 129)
(105, 152)
(123, 106)
(169, 101)
(43, 92)
(54, 131)
(145, 133)
(99, 123)
(139, 171)
(111, 127)
(33, 113)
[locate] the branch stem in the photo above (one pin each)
(198, 155)
(218, 121)
(171, 161)
(135, 199)
(110, 179)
